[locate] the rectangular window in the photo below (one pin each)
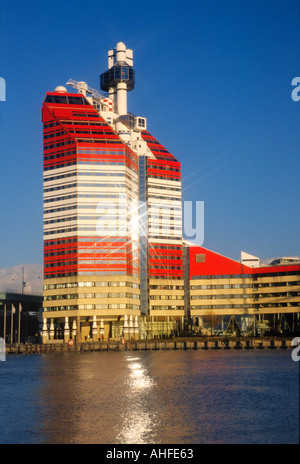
(200, 258)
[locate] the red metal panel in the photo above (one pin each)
(276, 269)
(214, 264)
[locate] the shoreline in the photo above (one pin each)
(178, 344)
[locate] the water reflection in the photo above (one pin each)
(138, 377)
(151, 397)
(139, 417)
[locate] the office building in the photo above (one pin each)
(112, 214)
(226, 294)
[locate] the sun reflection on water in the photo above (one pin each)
(139, 418)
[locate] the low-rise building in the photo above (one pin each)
(252, 300)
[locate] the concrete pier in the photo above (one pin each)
(153, 345)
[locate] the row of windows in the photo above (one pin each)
(103, 162)
(275, 274)
(159, 237)
(85, 307)
(167, 277)
(166, 156)
(158, 150)
(160, 187)
(277, 295)
(62, 263)
(117, 260)
(105, 272)
(227, 276)
(208, 287)
(85, 240)
(84, 114)
(91, 295)
(113, 260)
(154, 258)
(166, 297)
(54, 134)
(76, 206)
(166, 287)
(231, 306)
(108, 141)
(65, 197)
(91, 284)
(217, 297)
(62, 252)
(61, 242)
(156, 227)
(101, 151)
(276, 284)
(67, 142)
(66, 208)
(165, 247)
(51, 124)
(163, 168)
(248, 276)
(61, 231)
(82, 195)
(160, 197)
(60, 187)
(151, 140)
(165, 267)
(61, 176)
(164, 211)
(84, 230)
(59, 155)
(154, 176)
(278, 305)
(112, 184)
(92, 131)
(167, 308)
(66, 100)
(55, 221)
(60, 165)
(82, 123)
(98, 251)
(58, 144)
(111, 225)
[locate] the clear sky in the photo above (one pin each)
(212, 78)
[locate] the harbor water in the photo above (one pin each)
(163, 397)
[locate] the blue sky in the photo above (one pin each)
(212, 78)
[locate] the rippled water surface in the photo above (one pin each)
(182, 397)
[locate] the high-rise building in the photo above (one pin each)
(112, 215)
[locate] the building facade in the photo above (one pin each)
(112, 214)
(115, 262)
(226, 295)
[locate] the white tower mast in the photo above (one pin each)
(119, 79)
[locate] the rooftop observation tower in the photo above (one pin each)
(119, 78)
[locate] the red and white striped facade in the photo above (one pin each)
(165, 250)
(95, 196)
